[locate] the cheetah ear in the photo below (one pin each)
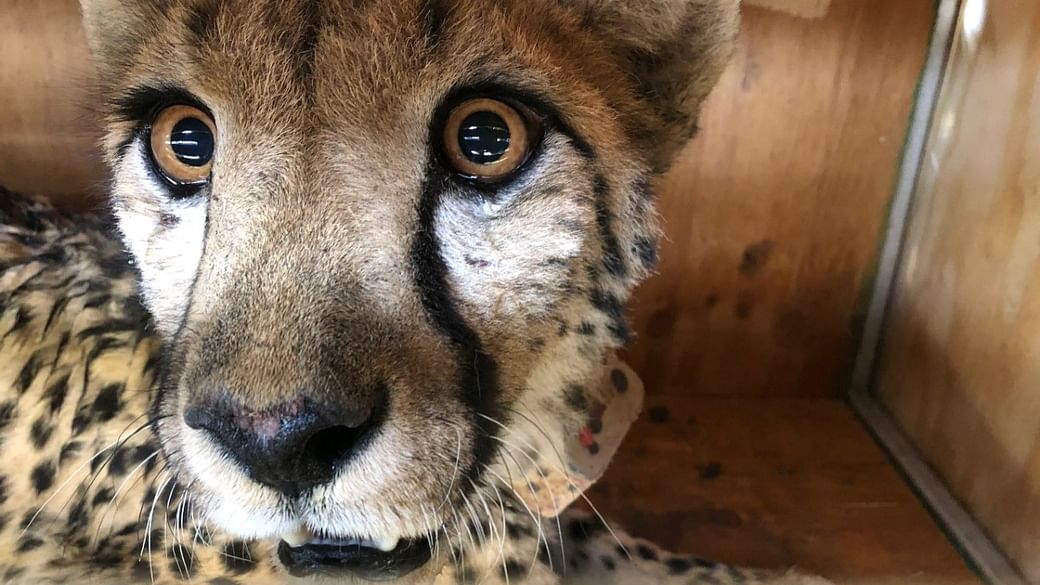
(675, 51)
(114, 27)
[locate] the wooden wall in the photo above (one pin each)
(775, 213)
(47, 121)
(960, 368)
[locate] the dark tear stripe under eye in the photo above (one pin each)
(479, 383)
(613, 262)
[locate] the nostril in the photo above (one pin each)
(291, 447)
(331, 447)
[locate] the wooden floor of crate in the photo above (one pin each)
(775, 483)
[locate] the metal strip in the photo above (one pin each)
(974, 543)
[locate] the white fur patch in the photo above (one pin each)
(165, 236)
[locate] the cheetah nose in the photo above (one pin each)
(293, 447)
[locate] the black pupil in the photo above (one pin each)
(484, 137)
(192, 142)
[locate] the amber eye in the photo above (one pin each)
(486, 139)
(182, 142)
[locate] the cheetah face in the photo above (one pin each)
(386, 241)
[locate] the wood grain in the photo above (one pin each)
(47, 129)
(961, 362)
(774, 214)
(774, 483)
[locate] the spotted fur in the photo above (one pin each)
(333, 257)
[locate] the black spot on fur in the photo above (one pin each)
(22, 317)
(513, 569)
(106, 405)
(612, 259)
(587, 329)
(584, 528)
(476, 262)
(42, 477)
(182, 561)
(6, 414)
(97, 301)
(56, 393)
(69, 450)
(619, 331)
(646, 250)
(27, 518)
(78, 513)
(608, 563)
(117, 462)
(3, 490)
(646, 553)
(516, 531)
(27, 375)
(79, 423)
(543, 556)
(110, 327)
(103, 496)
(614, 308)
(28, 543)
(40, 432)
(56, 310)
(168, 220)
(141, 570)
(238, 558)
(678, 565)
(222, 581)
(576, 398)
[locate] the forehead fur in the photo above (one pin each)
(651, 61)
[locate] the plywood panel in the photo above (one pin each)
(774, 483)
(961, 364)
(773, 216)
(47, 129)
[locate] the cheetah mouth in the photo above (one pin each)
(331, 557)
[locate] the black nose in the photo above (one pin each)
(293, 447)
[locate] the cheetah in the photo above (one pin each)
(360, 289)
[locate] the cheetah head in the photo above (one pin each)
(382, 239)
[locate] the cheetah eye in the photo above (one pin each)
(487, 140)
(182, 142)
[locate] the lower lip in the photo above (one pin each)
(370, 564)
